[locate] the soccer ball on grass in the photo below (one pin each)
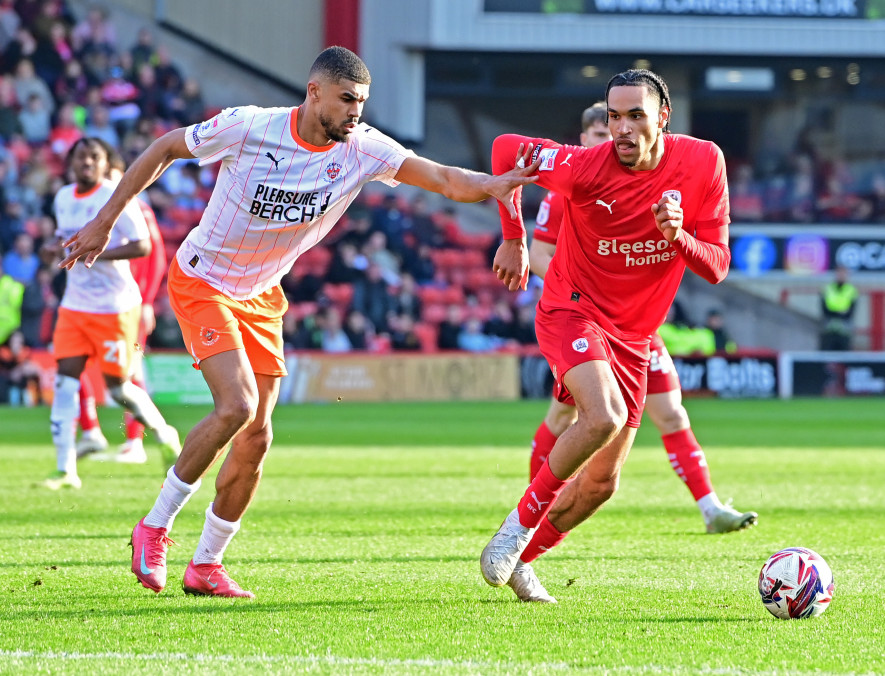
(796, 583)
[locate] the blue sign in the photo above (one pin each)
(754, 254)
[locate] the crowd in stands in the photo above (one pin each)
(394, 275)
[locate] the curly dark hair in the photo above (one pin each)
(339, 63)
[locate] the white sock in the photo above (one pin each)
(65, 409)
(173, 495)
(217, 534)
(709, 505)
(139, 403)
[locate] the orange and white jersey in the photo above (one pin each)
(276, 195)
(108, 287)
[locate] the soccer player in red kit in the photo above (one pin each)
(664, 401)
(638, 211)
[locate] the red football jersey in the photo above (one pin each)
(611, 258)
(549, 217)
(149, 270)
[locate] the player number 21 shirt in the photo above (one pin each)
(108, 287)
(276, 195)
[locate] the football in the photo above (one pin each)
(796, 583)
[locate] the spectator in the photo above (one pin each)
(11, 224)
(99, 126)
(73, 85)
(370, 296)
(38, 309)
(359, 331)
(524, 329)
(151, 95)
(52, 53)
(67, 129)
(334, 339)
(19, 374)
(21, 262)
(838, 302)
(375, 249)
(347, 264)
(21, 47)
(715, 324)
(403, 336)
(423, 228)
(11, 293)
(9, 23)
(406, 300)
(9, 122)
(419, 263)
(28, 84)
(472, 339)
(450, 328)
(186, 106)
(500, 323)
(143, 51)
(95, 33)
(35, 120)
(120, 97)
(745, 197)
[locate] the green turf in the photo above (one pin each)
(363, 543)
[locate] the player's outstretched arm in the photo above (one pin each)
(88, 242)
(463, 185)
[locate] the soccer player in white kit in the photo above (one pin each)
(99, 312)
(287, 175)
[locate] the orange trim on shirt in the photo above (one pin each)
(293, 128)
(80, 195)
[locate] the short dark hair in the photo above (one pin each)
(595, 114)
(638, 77)
(339, 63)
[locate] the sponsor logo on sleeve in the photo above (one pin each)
(548, 159)
(195, 136)
(206, 128)
(580, 345)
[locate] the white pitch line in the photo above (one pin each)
(334, 660)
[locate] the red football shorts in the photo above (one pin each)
(568, 338)
(662, 375)
(109, 337)
(212, 323)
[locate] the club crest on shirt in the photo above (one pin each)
(209, 336)
(674, 195)
(580, 345)
(332, 171)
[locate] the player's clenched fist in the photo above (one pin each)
(668, 216)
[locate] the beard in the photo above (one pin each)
(335, 133)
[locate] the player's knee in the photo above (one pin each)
(601, 429)
(236, 412)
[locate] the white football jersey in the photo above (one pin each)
(108, 287)
(276, 195)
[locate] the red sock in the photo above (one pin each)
(134, 429)
(88, 414)
(688, 461)
(544, 539)
(542, 444)
(539, 496)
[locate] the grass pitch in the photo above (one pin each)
(363, 545)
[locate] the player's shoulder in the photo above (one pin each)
(692, 146)
(367, 135)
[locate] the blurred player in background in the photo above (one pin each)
(148, 272)
(637, 212)
(664, 399)
(99, 311)
(287, 176)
